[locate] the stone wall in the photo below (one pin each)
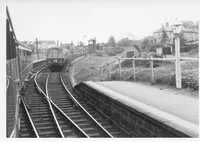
(135, 123)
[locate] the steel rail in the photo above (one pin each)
(90, 116)
(12, 135)
(29, 118)
(67, 117)
(55, 119)
(14, 131)
(42, 92)
(105, 115)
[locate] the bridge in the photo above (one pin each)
(45, 102)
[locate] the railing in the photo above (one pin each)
(109, 66)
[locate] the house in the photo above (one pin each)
(134, 52)
(165, 38)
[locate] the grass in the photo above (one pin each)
(88, 69)
(165, 74)
(113, 51)
(164, 71)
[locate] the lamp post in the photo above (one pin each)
(177, 31)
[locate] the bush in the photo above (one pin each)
(113, 51)
(127, 63)
(115, 76)
(99, 53)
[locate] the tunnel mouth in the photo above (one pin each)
(56, 67)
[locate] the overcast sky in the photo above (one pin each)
(66, 20)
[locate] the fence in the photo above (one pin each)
(177, 60)
(110, 68)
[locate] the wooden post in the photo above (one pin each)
(177, 63)
(100, 72)
(134, 77)
(152, 70)
(110, 70)
(119, 69)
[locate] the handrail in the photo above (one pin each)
(55, 119)
(161, 59)
(29, 65)
(29, 117)
(90, 116)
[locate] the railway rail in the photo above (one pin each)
(72, 108)
(104, 120)
(40, 117)
(51, 109)
(64, 97)
(27, 128)
(41, 113)
(66, 126)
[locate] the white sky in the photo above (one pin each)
(66, 20)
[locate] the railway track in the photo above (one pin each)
(103, 119)
(80, 112)
(72, 109)
(66, 126)
(40, 113)
(40, 118)
(27, 128)
(48, 109)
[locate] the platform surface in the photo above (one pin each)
(184, 107)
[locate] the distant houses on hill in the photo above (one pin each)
(163, 38)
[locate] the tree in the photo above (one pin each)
(147, 44)
(164, 37)
(111, 41)
(124, 42)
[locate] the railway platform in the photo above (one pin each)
(175, 110)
